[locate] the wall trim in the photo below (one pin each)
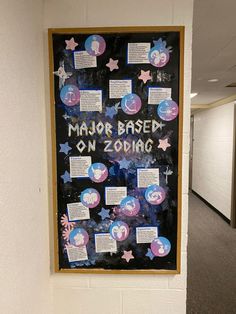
(220, 102)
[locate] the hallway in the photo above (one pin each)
(211, 262)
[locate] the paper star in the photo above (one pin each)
(163, 144)
(150, 254)
(66, 177)
(111, 112)
(124, 163)
(112, 64)
(145, 76)
(104, 213)
(71, 44)
(127, 256)
(65, 148)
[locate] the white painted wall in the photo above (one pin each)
(24, 257)
(125, 294)
(212, 156)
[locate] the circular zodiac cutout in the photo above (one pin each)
(95, 45)
(160, 246)
(158, 58)
(131, 104)
(130, 206)
(155, 194)
(79, 237)
(119, 230)
(70, 95)
(90, 198)
(98, 172)
(167, 110)
(159, 55)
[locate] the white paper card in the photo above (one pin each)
(114, 195)
(105, 243)
(76, 254)
(147, 176)
(77, 211)
(119, 88)
(83, 60)
(138, 53)
(146, 234)
(79, 166)
(91, 100)
(157, 94)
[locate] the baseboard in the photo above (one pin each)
(212, 207)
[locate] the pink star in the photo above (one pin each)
(145, 76)
(164, 144)
(127, 256)
(71, 44)
(112, 64)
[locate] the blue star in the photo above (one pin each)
(111, 112)
(73, 110)
(104, 213)
(124, 163)
(66, 177)
(65, 148)
(112, 171)
(159, 43)
(150, 254)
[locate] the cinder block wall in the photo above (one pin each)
(213, 156)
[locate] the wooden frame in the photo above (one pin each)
(117, 30)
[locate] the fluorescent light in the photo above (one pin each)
(193, 95)
(213, 80)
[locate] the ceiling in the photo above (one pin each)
(214, 50)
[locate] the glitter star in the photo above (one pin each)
(145, 76)
(111, 112)
(163, 144)
(65, 148)
(66, 177)
(71, 44)
(124, 163)
(112, 64)
(150, 254)
(104, 213)
(127, 256)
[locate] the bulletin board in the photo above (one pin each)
(116, 122)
